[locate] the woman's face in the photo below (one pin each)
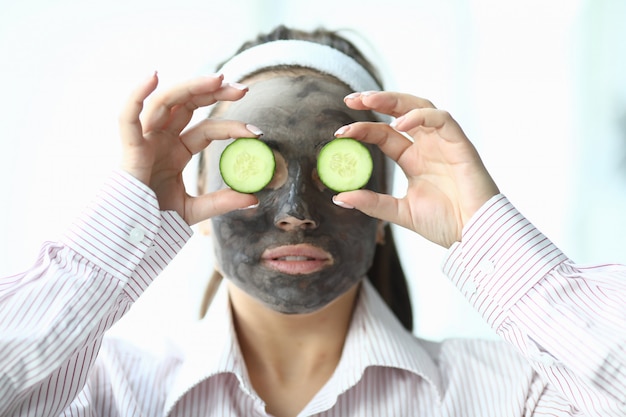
(297, 251)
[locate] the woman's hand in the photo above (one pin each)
(447, 181)
(155, 151)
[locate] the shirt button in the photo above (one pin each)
(136, 235)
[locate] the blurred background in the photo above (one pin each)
(538, 86)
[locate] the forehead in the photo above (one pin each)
(302, 109)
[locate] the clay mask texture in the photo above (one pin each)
(297, 251)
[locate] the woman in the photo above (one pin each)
(300, 331)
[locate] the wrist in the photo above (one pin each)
(141, 174)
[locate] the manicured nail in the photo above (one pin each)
(153, 75)
(369, 93)
(396, 122)
(341, 203)
(352, 96)
(238, 86)
(342, 130)
(250, 207)
(254, 129)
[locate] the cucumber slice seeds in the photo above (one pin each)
(247, 165)
(344, 164)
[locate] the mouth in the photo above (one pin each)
(296, 259)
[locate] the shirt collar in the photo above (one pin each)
(385, 342)
(209, 348)
(375, 338)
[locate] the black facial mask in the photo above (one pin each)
(297, 251)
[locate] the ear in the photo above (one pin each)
(380, 232)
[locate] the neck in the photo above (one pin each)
(290, 357)
(291, 347)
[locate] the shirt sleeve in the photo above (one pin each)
(568, 320)
(53, 316)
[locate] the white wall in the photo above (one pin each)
(533, 83)
(597, 229)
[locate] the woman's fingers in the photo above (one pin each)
(172, 109)
(380, 206)
(159, 109)
(213, 204)
(433, 133)
(201, 135)
(391, 103)
(181, 114)
(411, 112)
(392, 143)
(430, 118)
(137, 158)
(130, 125)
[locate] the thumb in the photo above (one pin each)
(380, 206)
(219, 202)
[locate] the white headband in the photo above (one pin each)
(306, 54)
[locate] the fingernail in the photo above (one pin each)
(352, 96)
(341, 203)
(254, 129)
(342, 130)
(369, 93)
(396, 122)
(153, 75)
(238, 86)
(250, 207)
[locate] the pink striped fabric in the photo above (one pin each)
(563, 325)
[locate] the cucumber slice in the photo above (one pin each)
(344, 164)
(247, 165)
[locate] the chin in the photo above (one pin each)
(292, 302)
(301, 294)
(297, 306)
(292, 310)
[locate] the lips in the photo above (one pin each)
(296, 259)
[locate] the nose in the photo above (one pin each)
(294, 212)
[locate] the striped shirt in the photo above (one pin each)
(563, 326)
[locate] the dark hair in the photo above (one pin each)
(386, 273)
